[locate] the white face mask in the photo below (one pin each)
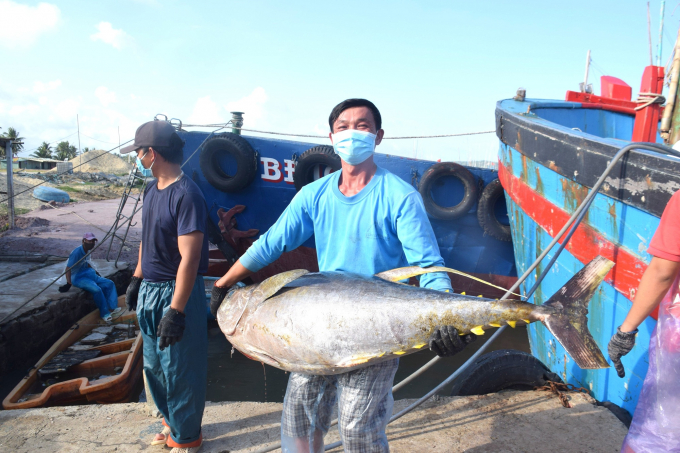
(354, 146)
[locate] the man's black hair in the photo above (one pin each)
(173, 153)
(348, 104)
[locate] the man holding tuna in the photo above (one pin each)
(364, 220)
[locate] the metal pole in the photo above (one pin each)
(236, 122)
(585, 78)
(658, 55)
(649, 31)
(10, 183)
(78, 122)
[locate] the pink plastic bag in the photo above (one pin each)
(656, 422)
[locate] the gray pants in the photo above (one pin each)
(365, 403)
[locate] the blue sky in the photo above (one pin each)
(431, 67)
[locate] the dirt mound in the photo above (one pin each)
(29, 222)
(103, 162)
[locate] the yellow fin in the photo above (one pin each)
(463, 293)
(402, 273)
(494, 324)
(400, 353)
(418, 346)
(381, 354)
(480, 296)
(477, 330)
(512, 323)
(526, 321)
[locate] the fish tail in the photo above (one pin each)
(567, 320)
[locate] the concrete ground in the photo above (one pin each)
(512, 421)
(67, 224)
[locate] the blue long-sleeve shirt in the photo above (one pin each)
(383, 227)
(81, 267)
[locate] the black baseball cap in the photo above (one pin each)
(154, 133)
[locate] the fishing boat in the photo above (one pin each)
(248, 181)
(551, 154)
(113, 375)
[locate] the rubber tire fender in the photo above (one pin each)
(318, 155)
(502, 370)
(240, 150)
(486, 214)
(442, 169)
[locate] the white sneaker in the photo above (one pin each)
(108, 318)
(117, 310)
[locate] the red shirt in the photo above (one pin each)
(666, 241)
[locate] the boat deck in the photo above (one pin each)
(530, 421)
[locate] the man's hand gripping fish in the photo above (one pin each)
(333, 322)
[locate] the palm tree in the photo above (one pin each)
(65, 151)
(14, 135)
(44, 151)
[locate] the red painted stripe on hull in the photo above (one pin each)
(585, 244)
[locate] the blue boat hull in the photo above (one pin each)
(535, 151)
(462, 242)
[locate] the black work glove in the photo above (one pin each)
(620, 345)
(216, 298)
(171, 328)
(132, 293)
(64, 288)
(446, 342)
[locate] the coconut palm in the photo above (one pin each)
(65, 151)
(44, 151)
(14, 135)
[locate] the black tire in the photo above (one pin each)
(507, 369)
(448, 169)
(319, 155)
(486, 212)
(240, 150)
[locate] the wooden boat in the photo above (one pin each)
(79, 387)
(551, 154)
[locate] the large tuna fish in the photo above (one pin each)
(332, 322)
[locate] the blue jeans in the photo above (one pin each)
(102, 289)
(177, 375)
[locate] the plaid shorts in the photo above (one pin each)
(364, 399)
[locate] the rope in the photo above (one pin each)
(67, 171)
(203, 142)
(73, 212)
(647, 99)
(222, 126)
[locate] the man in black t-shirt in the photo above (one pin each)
(167, 287)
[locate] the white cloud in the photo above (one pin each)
(105, 96)
(252, 105)
(206, 111)
(22, 25)
(115, 37)
(40, 87)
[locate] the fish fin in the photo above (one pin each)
(569, 323)
(494, 324)
(477, 330)
(418, 346)
(512, 323)
(237, 302)
(463, 293)
(400, 352)
(527, 321)
(402, 273)
(267, 288)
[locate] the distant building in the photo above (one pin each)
(32, 163)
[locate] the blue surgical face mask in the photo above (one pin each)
(354, 146)
(146, 172)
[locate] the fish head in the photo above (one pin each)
(233, 306)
